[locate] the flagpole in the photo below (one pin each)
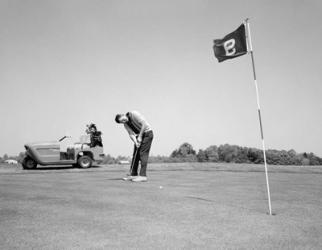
(250, 50)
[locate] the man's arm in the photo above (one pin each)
(141, 132)
(132, 135)
(141, 119)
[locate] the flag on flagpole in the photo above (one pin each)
(232, 45)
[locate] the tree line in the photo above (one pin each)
(237, 154)
(223, 153)
(16, 157)
(230, 154)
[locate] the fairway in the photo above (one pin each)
(200, 206)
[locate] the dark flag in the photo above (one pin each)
(232, 45)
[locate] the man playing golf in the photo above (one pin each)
(141, 134)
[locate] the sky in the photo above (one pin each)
(67, 63)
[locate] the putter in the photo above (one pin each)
(133, 160)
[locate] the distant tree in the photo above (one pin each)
(212, 153)
(5, 157)
(314, 160)
(305, 161)
(272, 157)
(21, 156)
(228, 153)
(298, 159)
(255, 156)
(242, 155)
(294, 157)
(292, 153)
(185, 152)
(108, 159)
(288, 157)
(201, 156)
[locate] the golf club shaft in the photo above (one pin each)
(134, 159)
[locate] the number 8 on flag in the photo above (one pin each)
(232, 45)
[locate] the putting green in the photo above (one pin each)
(182, 206)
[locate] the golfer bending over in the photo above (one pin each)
(141, 134)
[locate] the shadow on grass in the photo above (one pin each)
(60, 168)
(115, 179)
(229, 205)
(198, 198)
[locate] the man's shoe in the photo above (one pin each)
(129, 178)
(140, 179)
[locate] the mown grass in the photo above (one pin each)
(199, 206)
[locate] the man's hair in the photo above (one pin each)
(117, 118)
(92, 125)
(89, 127)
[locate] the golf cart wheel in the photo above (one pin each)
(29, 163)
(84, 161)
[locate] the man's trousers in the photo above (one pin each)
(141, 154)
